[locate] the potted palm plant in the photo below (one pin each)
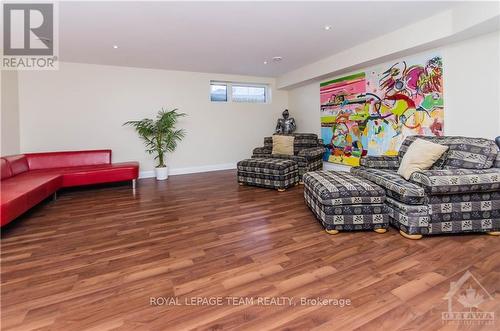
(160, 136)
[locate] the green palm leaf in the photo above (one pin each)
(159, 134)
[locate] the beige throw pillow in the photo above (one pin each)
(421, 155)
(283, 144)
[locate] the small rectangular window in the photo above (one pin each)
(238, 92)
(248, 93)
(218, 92)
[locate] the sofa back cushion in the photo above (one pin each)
(5, 168)
(51, 160)
(301, 141)
(17, 164)
(463, 152)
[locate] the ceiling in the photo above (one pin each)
(225, 37)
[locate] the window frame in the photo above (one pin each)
(228, 95)
(229, 91)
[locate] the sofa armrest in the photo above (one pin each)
(312, 153)
(380, 162)
(261, 151)
(453, 181)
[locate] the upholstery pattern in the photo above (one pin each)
(380, 162)
(469, 206)
(453, 181)
(342, 201)
(269, 173)
(395, 186)
(340, 188)
(311, 166)
(412, 219)
(451, 213)
(348, 217)
(308, 152)
(262, 151)
(312, 153)
(482, 225)
(463, 152)
(267, 166)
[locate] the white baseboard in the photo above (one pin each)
(146, 174)
(190, 170)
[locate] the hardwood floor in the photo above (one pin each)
(95, 258)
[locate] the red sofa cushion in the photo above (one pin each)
(13, 204)
(87, 175)
(5, 169)
(23, 191)
(52, 160)
(18, 164)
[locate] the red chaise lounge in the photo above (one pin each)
(27, 179)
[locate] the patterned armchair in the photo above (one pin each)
(308, 152)
(460, 193)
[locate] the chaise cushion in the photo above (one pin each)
(453, 181)
(335, 188)
(395, 186)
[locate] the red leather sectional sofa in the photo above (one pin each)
(27, 179)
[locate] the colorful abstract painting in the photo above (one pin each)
(371, 112)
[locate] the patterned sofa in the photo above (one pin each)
(460, 193)
(307, 149)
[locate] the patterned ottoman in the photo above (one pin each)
(271, 173)
(344, 202)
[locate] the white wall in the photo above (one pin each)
(471, 90)
(83, 106)
(472, 87)
(10, 113)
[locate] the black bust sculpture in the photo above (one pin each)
(285, 125)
